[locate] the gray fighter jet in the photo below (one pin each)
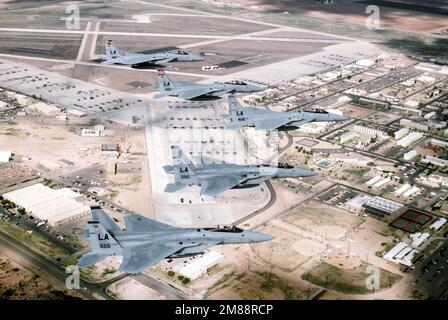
(263, 119)
(145, 242)
(114, 56)
(190, 90)
(216, 176)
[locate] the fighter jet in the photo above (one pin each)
(145, 242)
(114, 56)
(263, 119)
(190, 90)
(216, 176)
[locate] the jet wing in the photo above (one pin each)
(136, 223)
(219, 184)
(191, 93)
(138, 59)
(107, 62)
(137, 259)
(271, 124)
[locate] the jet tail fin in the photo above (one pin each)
(99, 215)
(100, 232)
(165, 83)
(182, 168)
(237, 113)
(112, 50)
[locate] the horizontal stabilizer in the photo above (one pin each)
(89, 259)
(173, 187)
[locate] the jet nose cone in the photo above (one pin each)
(258, 236)
(266, 237)
(198, 58)
(258, 88)
(300, 172)
(342, 117)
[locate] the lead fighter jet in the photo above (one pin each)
(215, 177)
(191, 90)
(145, 242)
(114, 56)
(263, 119)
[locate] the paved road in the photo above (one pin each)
(173, 35)
(10, 246)
(28, 224)
(432, 274)
(273, 197)
(169, 292)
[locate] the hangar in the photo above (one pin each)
(48, 204)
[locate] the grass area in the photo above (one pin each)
(357, 172)
(108, 271)
(350, 281)
(272, 281)
(112, 194)
(71, 261)
(33, 240)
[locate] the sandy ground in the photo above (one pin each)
(130, 289)
(19, 283)
(49, 139)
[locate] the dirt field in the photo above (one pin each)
(130, 289)
(333, 274)
(324, 221)
(281, 251)
(18, 283)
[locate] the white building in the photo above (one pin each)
(96, 131)
(45, 109)
(369, 131)
(401, 133)
(384, 205)
(412, 124)
(411, 192)
(435, 180)
(419, 238)
(49, 165)
(410, 155)
(402, 189)
(200, 266)
(347, 136)
(351, 158)
(365, 63)
(48, 204)
(381, 183)
(373, 180)
(438, 224)
(436, 161)
(426, 79)
(5, 156)
(430, 115)
(402, 254)
(409, 139)
(76, 113)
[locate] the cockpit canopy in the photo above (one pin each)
(284, 165)
(318, 110)
(182, 52)
(232, 229)
(237, 82)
